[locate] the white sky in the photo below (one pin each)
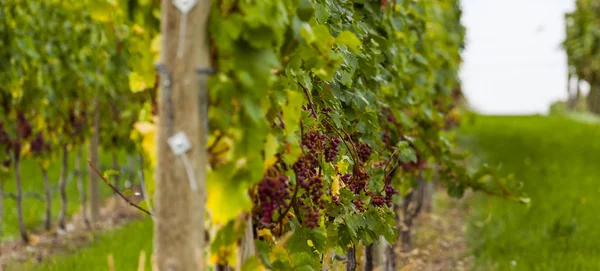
(513, 63)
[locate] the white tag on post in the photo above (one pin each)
(179, 143)
(184, 6)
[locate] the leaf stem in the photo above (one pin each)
(117, 190)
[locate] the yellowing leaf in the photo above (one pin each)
(270, 150)
(225, 254)
(350, 40)
(310, 243)
(137, 82)
(267, 234)
(155, 46)
(147, 131)
(26, 149)
(137, 29)
(335, 185)
(342, 165)
(226, 198)
(100, 10)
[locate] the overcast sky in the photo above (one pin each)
(513, 63)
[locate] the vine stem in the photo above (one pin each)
(314, 112)
(214, 144)
(352, 150)
(390, 162)
(292, 201)
(117, 190)
(310, 103)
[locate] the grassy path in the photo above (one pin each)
(32, 182)
(558, 159)
(125, 244)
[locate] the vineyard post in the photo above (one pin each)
(180, 175)
(1, 205)
(48, 194)
(80, 185)
(19, 197)
(63, 184)
(94, 192)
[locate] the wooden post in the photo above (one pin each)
(19, 196)
(94, 192)
(179, 228)
(246, 247)
(63, 188)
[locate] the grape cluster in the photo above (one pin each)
(314, 141)
(4, 138)
(364, 152)
(385, 137)
(311, 181)
(305, 167)
(358, 181)
(332, 149)
(6, 163)
(5, 143)
(378, 200)
(390, 191)
(272, 194)
(360, 205)
(311, 217)
(414, 167)
(23, 126)
(39, 145)
(326, 110)
(77, 122)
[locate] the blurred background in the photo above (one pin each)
(514, 63)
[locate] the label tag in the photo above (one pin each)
(184, 6)
(179, 143)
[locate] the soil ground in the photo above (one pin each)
(439, 238)
(115, 213)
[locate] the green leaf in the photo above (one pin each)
(251, 264)
(350, 40)
(292, 112)
(110, 172)
(307, 33)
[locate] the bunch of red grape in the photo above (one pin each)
(272, 193)
(309, 179)
(414, 167)
(332, 149)
(4, 138)
(39, 145)
(311, 217)
(5, 143)
(77, 123)
(390, 191)
(24, 128)
(364, 152)
(378, 200)
(360, 205)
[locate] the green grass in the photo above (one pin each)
(34, 208)
(558, 159)
(125, 244)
